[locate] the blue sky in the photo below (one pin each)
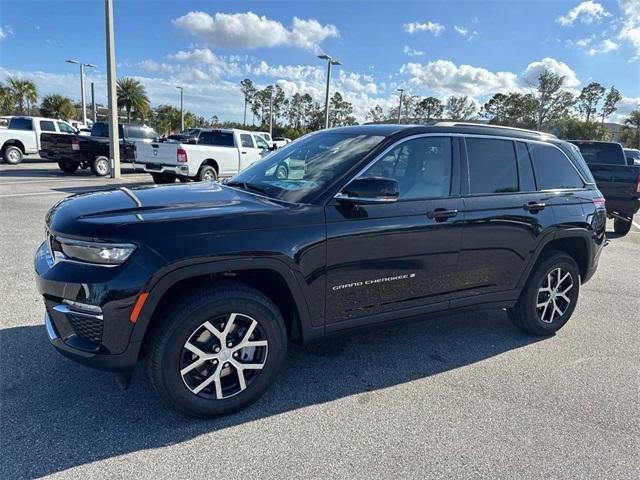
(427, 47)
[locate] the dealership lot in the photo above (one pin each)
(462, 395)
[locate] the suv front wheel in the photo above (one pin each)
(549, 297)
(217, 350)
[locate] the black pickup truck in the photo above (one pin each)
(92, 151)
(617, 179)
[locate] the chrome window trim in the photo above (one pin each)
(464, 135)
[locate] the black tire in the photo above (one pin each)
(621, 227)
(68, 167)
(527, 316)
(282, 172)
(12, 155)
(101, 166)
(163, 178)
(182, 322)
(207, 174)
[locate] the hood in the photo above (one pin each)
(96, 214)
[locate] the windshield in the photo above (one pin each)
(301, 169)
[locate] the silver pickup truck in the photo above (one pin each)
(217, 153)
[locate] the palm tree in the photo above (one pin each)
(7, 100)
(23, 91)
(57, 106)
(132, 96)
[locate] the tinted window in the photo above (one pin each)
(47, 126)
(217, 138)
(100, 130)
(552, 168)
(422, 167)
(64, 128)
(492, 166)
(527, 180)
(246, 140)
(149, 133)
(133, 132)
(609, 153)
(20, 124)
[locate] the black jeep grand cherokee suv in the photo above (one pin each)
(342, 228)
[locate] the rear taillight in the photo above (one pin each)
(75, 144)
(181, 155)
(598, 202)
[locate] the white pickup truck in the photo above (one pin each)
(217, 153)
(22, 136)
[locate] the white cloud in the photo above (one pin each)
(447, 78)
(585, 12)
(630, 29)
(5, 32)
(412, 52)
(433, 27)
(198, 55)
(470, 35)
(150, 65)
(291, 72)
(605, 46)
(534, 69)
(248, 30)
(625, 107)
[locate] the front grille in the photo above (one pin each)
(87, 327)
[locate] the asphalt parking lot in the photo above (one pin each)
(459, 396)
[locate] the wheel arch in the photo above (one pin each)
(212, 163)
(575, 242)
(269, 276)
(13, 143)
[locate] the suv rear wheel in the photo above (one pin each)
(207, 174)
(101, 166)
(12, 155)
(549, 297)
(219, 349)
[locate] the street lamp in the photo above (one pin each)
(181, 107)
(401, 90)
(330, 63)
(82, 65)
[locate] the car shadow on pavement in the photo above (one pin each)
(56, 414)
(46, 171)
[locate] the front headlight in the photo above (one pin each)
(93, 252)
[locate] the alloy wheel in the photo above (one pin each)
(553, 300)
(223, 356)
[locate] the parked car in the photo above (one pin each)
(633, 156)
(279, 142)
(23, 136)
(209, 282)
(82, 151)
(217, 153)
(618, 180)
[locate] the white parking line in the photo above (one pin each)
(30, 181)
(8, 195)
(635, 225)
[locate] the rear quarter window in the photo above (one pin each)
(47, 126)
(552, 168)
(217, 138)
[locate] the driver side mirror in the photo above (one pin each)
(369, 190)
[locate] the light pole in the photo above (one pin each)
(93, 103)
(401, 90)
(112, 95)
(181, 107)
(82, 65)
(330, 63)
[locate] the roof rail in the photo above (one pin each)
(486, 125)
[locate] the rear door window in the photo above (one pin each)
(217, 138)
(492, 166)
(47, 126)
(552, 168)
(20, 124)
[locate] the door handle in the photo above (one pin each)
(441, 214)
(534, 206)
(243, 153)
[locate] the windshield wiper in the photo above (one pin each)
(247, 186)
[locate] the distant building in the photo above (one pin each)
(615, 129)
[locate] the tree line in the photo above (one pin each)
(548, 106)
